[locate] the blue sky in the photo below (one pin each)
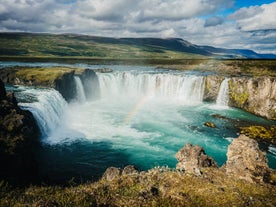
(246, 24)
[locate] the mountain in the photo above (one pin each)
(84, 46)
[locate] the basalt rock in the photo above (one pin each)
(212, 85)
(246, 161)
(255, 95)
(66, 86)
(192, 159)
(19, 133)
(90, 84)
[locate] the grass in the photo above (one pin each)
(39, 76)
(152, 188)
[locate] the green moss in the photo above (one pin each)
(238, 96)
(260, 132)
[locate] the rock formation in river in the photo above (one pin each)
(246, 161)
(212, 85)
(192, 159)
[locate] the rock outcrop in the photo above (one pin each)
(212, 85)
(19, 134)
(246, 161)
(112, 173)
(59, 78)
(90, 84)
(255, 95)
(192, 159)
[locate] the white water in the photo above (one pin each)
(48, 110)
(129, 85)
(79, 89)
(223, 95)
(142, 118)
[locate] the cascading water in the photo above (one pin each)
(187, 89)
(143, 117)
(223, 95)
(79, 89)
(47, 110)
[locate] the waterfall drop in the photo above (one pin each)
(79, 90)
(47, 110)
(184, 88)
(223, 95)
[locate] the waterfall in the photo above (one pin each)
(79, 89)
(223, 95)
(47, 109)
(186, 88)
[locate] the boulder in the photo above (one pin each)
(130, 170)
(210, 124)
(111, 173)
(246, 161)
(193, 158)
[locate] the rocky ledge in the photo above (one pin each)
(59, 78)
(18, 135)
(256, 95)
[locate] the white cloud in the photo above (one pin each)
(146, 18)
(256, 18)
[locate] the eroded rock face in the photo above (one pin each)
(193, 158)
(246, 161)
(255, 95)
(90, 84)
(212, 85)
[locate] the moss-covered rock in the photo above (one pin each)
(210, 124)
(267, 133)
(255, 95)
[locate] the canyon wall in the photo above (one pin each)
(256, 95)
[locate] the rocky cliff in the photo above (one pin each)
(18, 135)
(59, 78)
(255, 95)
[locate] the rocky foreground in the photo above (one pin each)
(245, 180)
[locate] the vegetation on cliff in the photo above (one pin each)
(262, 133)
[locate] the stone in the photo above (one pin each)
(255, 95)
(210, 124)
(111, 173)
(130, 170)
(246, 161)
(193, 158)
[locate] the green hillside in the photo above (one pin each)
(81, 46)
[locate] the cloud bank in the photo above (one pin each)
(202, 22)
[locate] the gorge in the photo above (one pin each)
(136, 115)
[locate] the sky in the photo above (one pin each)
(243, 24)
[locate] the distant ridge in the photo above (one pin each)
(77, 45)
